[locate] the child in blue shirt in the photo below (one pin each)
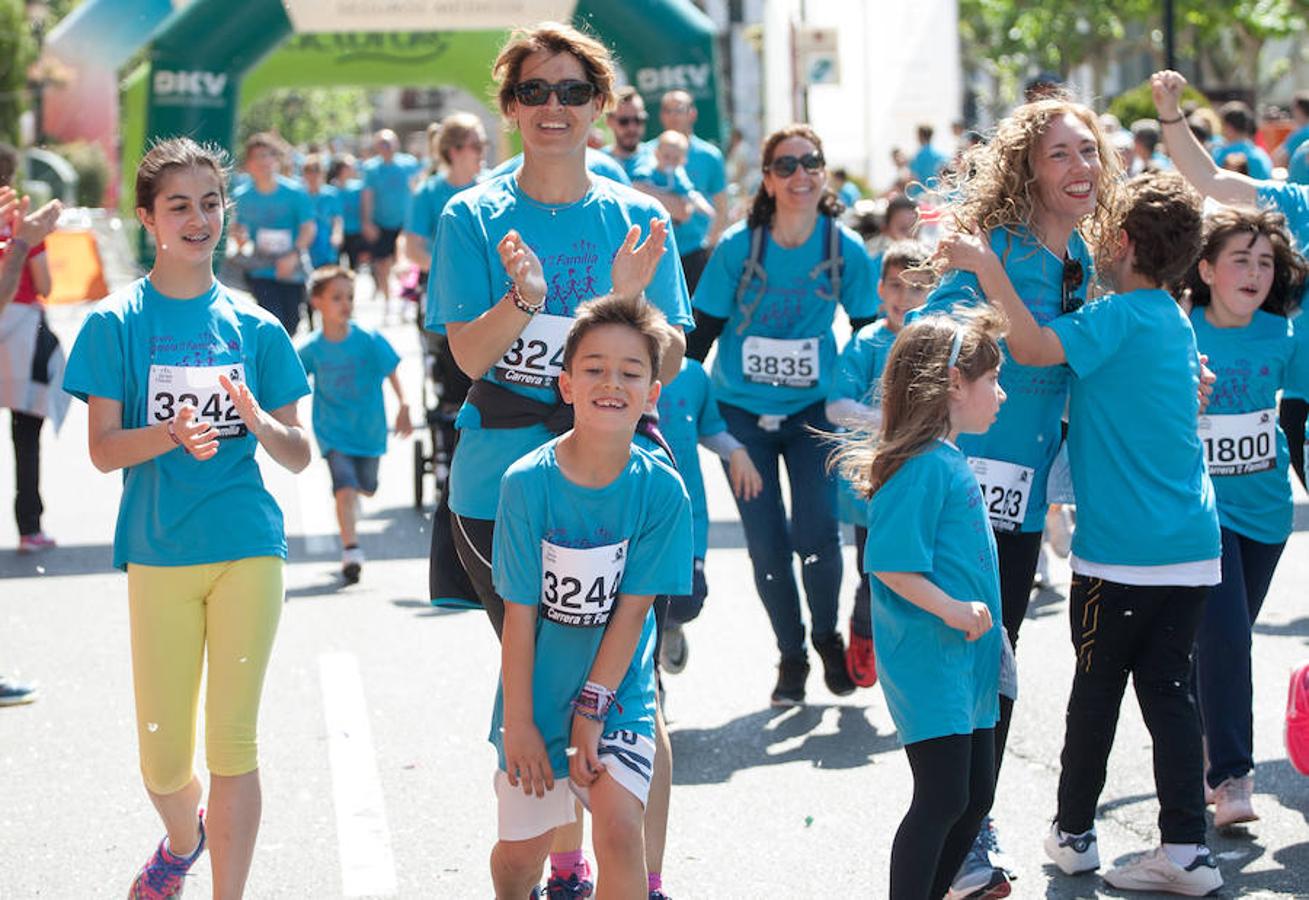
(855, 402)
(328, 214)
(348, 364)
(936, 587)
(1247, 278)
(588, 530)
(1146, 550)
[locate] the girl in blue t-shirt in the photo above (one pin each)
(936, 588)
(1246, 281)
(183, 381)
(770, 290)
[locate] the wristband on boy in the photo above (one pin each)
(594, 701)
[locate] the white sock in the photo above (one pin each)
(1184, 854)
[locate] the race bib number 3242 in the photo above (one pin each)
(580, 586)
(172, 387)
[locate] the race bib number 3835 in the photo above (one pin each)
(579, 586)
(1006, 488)
(1239, 444)
(172, 387)
(536, 357)
(792, 363)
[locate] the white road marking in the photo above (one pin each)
(367, 863)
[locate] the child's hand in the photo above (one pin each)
(972, 618)
(634, 265)
(198, 437)
(403, 427)
(1207, 379)
(246, 404)
(584, 766)
(287, 265)
(966, 252)
(745, 478)
(33, 228)
(522, 267)
(1166, 89)
(526, 760)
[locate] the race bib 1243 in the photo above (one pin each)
(1006, 488)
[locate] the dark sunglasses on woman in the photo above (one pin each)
(1073, 274)
(785, 166)
(537, 91)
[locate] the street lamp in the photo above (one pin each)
(1170, 37)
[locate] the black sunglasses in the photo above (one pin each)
(785, 166)
(628, 121)
(537, 91)
(1073, 274)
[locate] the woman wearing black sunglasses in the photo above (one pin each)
(770, 290)
(1042, 189)
(514, 258)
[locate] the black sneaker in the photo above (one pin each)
(831, 651)
(791, 676)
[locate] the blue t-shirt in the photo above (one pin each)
(1251, 363)
(754, 369)
(927, 163)
(429, 200)
(273, 220)
(688, 412)
(153, 353)
(351, 192)
(849, 193)
(858, 377)
(928, 518)
(1295, 139)
(1297, 169)
(629, 163)
(349, 410)
(689, 233)
(1132, 441)
(708, 172)
(1292, 201)
(575, 245)
(638, 528)
(597, 163)
(327, 207)
(389, 182)
(1028, 428)
(1258, 163)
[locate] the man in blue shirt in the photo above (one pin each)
(1239, 129)
(388, 178)
(928, 161)
(627, 122)
(708, 172)
(1300, 116)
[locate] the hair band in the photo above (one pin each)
(955, 347)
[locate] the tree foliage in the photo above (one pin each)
(16, 52)
(307, 115)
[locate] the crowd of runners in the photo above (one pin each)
(1059, 315)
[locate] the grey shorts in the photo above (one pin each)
(358, 472)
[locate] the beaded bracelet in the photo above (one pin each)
(517, 296)
(594, 701)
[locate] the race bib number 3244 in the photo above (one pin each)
(536, 357)
(580, 586)
(172, 387)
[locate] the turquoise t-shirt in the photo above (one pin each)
(273, 220)
(708, 172)
(349, 410)
(429, 200)
(1297, 169)
(575, 244)
(859, 377)
(153, 353)
(572, 551)
(784, 359)
(629, 163)
(597, 163)
(1258, 164)
(1295, 139)
(849, 193)
(927, 163)
(1028, 428)
(351, 192)
(1132, 440)
(688, 412)
(327, 207)
(1246, 449)
(1292, 201)
(929, 519)
(689, 233)
(389, 182)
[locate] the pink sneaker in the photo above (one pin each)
(1297, 719)
(35, 543)
(162, 876)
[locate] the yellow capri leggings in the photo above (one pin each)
(229, 609)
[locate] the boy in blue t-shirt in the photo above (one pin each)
(1146, 550)
(589, 529)
(348, 364)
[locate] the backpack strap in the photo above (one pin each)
(833, 262)
(752, 268)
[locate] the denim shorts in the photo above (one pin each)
(358, 472)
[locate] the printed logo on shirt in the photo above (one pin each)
(579, 586)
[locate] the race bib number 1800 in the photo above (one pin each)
(792, 363)
(536, 357)
(172, 387)
(1006, 488)
(579, 586)
(1240, 444)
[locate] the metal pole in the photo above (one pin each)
(1170, 37)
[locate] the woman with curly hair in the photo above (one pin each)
(1042, 192)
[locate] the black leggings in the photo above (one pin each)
(954, 784)
(1018, 551)
(1291, 416)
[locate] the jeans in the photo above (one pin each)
(281, 298)
(813, 533)
(1222, 658)
(26, 432)
(1148, 632)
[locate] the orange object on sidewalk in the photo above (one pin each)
(76, 272)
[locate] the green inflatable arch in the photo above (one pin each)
(213, 57)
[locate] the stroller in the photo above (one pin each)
(443, 391)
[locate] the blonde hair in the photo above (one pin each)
(915, 392)
(553, 38)
(453, 133)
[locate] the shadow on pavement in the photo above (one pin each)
(712, 755)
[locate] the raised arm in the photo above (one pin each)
(1188, 155)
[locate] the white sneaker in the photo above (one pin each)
(1074, 855)
(352, 562)
(1232, 804)
(1154, 871)
(673, 649)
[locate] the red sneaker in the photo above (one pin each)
(1297, 719)
(861, 661)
